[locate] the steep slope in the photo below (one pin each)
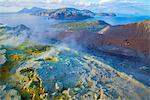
(134, 36)
(131, 40)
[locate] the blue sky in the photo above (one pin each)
(116, 6)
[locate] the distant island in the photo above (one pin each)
(32, 10)
(64, 13)
(106, 14)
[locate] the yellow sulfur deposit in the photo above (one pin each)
(15, 57)
(27, 80)
(52, 59)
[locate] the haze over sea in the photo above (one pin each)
(42, 24)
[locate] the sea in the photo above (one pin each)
(42, 24)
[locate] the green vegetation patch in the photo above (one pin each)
(83, 25)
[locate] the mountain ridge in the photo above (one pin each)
(31, 10)
(67, 14)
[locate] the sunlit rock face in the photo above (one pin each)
(134, 36)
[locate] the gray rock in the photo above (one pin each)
(3, 59)
(58, 86)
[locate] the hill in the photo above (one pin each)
(67, 14)
(32, 10)
(130, 40)
(92, 26)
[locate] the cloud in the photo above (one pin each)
(123, 6)
(106, 1)
(101, 2)
(31, 3)
(48, 3)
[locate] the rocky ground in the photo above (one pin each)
(41, 72)
(44, 72)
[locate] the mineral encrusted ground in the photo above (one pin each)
(41, 72)
(33, 71)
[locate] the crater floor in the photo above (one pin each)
(41, 72)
